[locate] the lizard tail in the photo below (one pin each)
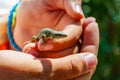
(59, 35)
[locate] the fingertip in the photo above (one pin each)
(94, 24)
(87, 21)
(90, 60)
(81, 63)
(92, 27)
(74, 9)
(91, 19)
(28, 46)
(44, 46)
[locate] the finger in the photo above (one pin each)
(72, 7)
(84, 77)
(32, 49)
(45, 68)
(73, 33)
(91, 38)
(74, 65)
(58, 54)
(90, 42)
(88, 21)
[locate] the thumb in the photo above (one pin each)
(74, 65)
(72, 7)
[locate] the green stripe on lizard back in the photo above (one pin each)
(48, 33)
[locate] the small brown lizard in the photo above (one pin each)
(47, 34)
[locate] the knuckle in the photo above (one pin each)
(77, 66)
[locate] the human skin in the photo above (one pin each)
(47, 14)
(56, 47)
(90, 45)
(11, 61)
(56, 15)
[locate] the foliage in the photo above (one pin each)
(107, 14)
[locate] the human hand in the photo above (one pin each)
(90, 43)
(16, 64)
(55, 16)
(25, 20)
(38, 14)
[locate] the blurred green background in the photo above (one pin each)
(107, 14)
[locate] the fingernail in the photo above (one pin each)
(90, 61)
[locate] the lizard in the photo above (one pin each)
(47, 34)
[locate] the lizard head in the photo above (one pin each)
(35, 39)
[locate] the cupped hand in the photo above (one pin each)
(34, 15)
(89, 48)
(20, 66)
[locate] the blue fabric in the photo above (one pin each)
(10, 35)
